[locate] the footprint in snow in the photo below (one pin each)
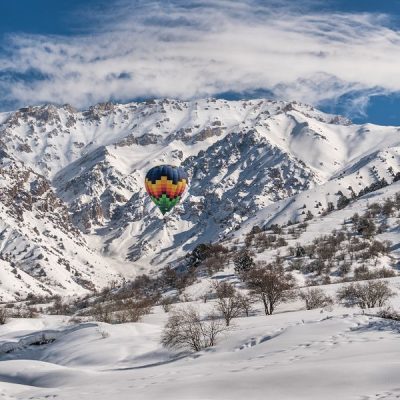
(383, 396)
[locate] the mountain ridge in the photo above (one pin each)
(244, 158)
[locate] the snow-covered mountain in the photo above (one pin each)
(74, 214)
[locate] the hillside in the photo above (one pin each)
(75, 215)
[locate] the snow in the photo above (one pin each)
(250, 163)
(294, 354)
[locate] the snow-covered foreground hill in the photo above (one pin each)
(74, 214)
(328, 354)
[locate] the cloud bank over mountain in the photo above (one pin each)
(169, 49)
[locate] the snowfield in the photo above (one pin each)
(331, 354)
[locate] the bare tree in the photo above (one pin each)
(246, 303)
(224, 289)
(271, 284)
(365, 295)
(3, 316)
(315, 298)
(228, 301)
(212, 328)
(186, 330)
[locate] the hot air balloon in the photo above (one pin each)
(165, 185)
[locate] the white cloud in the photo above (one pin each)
(168, 49)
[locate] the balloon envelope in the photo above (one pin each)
(165, 185)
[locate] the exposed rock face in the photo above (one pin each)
(143, 140)
(46, 253)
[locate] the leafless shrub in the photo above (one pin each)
(344, 269)
(166, 303)
(75, 320)
(246, 303)
(186, 330)
(262, 241)
(207, 296)
(214, 264)
(228, 301)
(296, 264)
(141, 286)
(315, 298)
(33, 299)
(179, 280)
(209, 257)
(384, 273)
(317, 266)
(136, 309)
(248, 240)
(364, 273)
(365, 295)
(185, 298)
(102, 313)
(60, 308)
(389, 313)
(325, 252)
(31, 312)
(3, 316)
(21, 311)
(365, 226)
(120, 310)
(224, 289)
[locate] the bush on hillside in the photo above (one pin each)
(365, 295)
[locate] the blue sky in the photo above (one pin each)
(341, 56)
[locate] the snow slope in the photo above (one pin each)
(294, 354)
(255, 160)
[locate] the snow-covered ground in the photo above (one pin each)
(337, 353)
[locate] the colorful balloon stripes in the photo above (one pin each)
(165, 184)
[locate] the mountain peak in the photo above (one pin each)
(252, 160)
